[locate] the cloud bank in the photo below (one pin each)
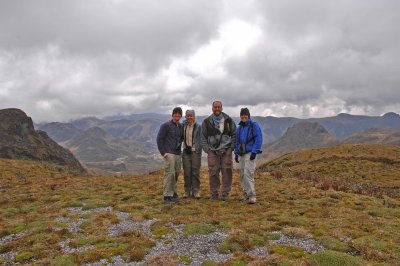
(62, 60)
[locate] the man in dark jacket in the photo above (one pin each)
(248, 145)
(169, 142)
(218, 141)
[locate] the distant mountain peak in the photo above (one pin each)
(96, 132)
(344, 115)
(391, 115)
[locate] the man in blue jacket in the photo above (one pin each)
(248, 145)
(169, 142)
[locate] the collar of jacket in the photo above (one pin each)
(185, 123)
(245, 124)
(172, 121)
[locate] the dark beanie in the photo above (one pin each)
(177, 110)
(245, 111)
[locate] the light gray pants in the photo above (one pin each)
(191, 172)
(172, 166)
(247, 169)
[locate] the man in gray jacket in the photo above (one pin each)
(191, 156)
(218, 141)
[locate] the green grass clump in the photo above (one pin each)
(160, 231)
(24, 256)
(199, 229)
(274, 235)
(238, 241)
(18, 228)
(185, 259)
(209, 263)
(329, 258)
(334, 244)
(64, 261)
(289, 251)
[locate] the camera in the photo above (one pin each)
(188, 150)
(242, 149)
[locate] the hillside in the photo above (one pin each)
(110, 147)
(301, 217)
(302, 135)
(372, 136)
(20, 140)
(371, 169)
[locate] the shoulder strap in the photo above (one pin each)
(211, 130)
(228, 126)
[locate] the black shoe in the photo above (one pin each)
(224, 197)
(168, 200)
(214, 197)
(175, 198)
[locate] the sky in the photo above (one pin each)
(67, 59)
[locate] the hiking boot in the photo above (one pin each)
(175, 198)
(252, 200)
(186, 195)
(197, 195)
(244, 197)
(168, 200)
(224, 197)
(214, 197)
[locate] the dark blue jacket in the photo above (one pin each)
(170, 137)
(249, 132)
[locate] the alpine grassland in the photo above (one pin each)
(336, 205)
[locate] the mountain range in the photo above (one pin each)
(128, 143)
(308, 135)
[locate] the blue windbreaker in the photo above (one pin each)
(250, 132)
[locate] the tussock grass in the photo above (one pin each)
(344, 217)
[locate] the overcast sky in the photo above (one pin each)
(66, 59)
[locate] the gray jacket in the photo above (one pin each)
(213, 139)
(196, 136)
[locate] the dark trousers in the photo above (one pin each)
(191, 171)
(220, 162)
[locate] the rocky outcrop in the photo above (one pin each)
(19, 140)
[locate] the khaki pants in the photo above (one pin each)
(220, 162)
(247, 169)
(172, 166)
(191, 172)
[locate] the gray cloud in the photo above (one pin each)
(66, 59)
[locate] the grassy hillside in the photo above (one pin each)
(49, 216)
(370, 169)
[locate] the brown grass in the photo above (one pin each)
(300, 194)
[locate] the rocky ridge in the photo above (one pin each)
(20, 140)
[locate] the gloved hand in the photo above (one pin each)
(236, 158)
(253, 156)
